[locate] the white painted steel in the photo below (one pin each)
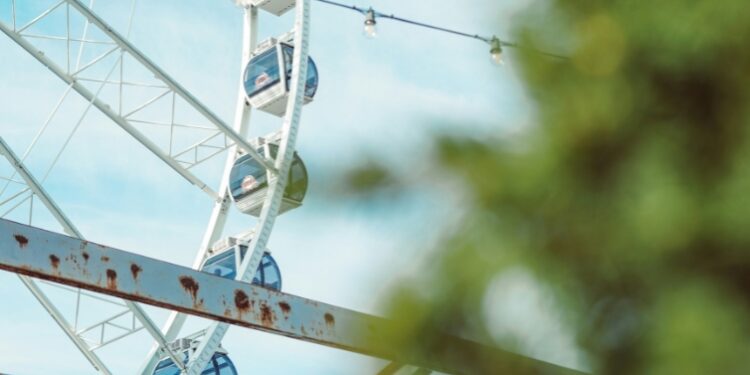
(113, 110)
(276, 186)
(178, 89)
(282, 163)
(106, 109)
(276, 7)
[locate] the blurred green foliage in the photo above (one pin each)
(630, 198)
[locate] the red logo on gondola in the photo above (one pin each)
(249, 183)
(262, 79)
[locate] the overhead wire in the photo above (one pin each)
(486, 39)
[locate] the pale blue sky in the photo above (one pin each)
(380, 98)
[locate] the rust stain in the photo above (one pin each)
(228, 313)
(241, 301)
(54, 261)
(285, 308)
(111, 279)
(304, 331)
(135, 270)
(190, 286)
(266, 316)
(105, 258)
(330, 321)
(22, 240)
(85, 256)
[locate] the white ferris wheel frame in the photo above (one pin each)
(234, 141)
(221, 138)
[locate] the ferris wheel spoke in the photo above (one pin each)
(126, 102)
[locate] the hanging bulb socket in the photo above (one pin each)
(496, 51)
(370, 24)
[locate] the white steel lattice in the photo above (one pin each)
(125, 85)
(121, 82)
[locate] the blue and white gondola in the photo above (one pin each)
(269, 73)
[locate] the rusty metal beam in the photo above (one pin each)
(38, 253)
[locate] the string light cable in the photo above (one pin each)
(496, 44)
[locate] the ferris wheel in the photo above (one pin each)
(263, 177)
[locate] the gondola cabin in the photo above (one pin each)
(269, 73)
(277, 7)
(248, 180)
(225, 261)
(220, 364)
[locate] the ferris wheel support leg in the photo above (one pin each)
(283, 163)
(221, 208)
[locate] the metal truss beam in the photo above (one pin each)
(38, 253)
(106, 109)
(178, 89)
(113, 110)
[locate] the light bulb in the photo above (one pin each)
(496, 51)
(371, 30)
(497, 57)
